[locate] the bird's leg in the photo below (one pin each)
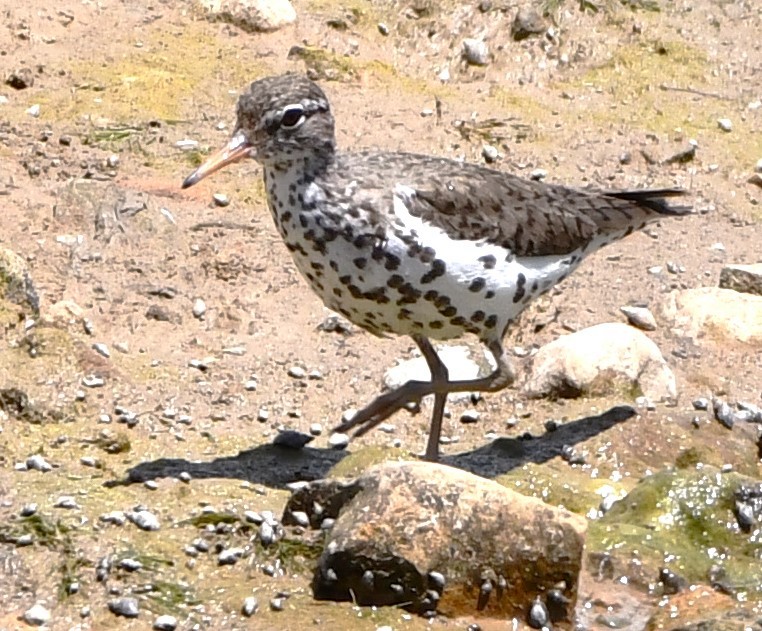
(387, 404)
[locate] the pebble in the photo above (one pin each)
(221, 200)
(66, 501)
(37, 615)
(538, 615)
(145, 520)
(469, 416)
(262, 415)
(701, 404)
(301, 518)
(34, 110)
(639, 317)
(252, 517)
(38, 463)
(475, 52)
(102, 349)
(27, 510)
(199, 308)
(117, 517)
(725, 124)
(93, 381)
(266, 533)
(277, 604)
(250, 606)
(131, 565)
(723, 413)
(758, 166)
(490, 154)
(185, 477)
(230, 556)
(316, 429)
(297, 372)
(89, 461)
(165, 623)
(338, 440)
(250, 385)
(151, 485)
(186, 144)
(125, 607)
(538, 174)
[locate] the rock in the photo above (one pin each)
(460, 364)
(199, 308)
(715, 312)
(250, 606)
(640, 317)
(145, 520)
(252, 15)
(725, 124)
(125, 607)
(399, 529)
(599, 360)
(527, 22)
(165, 623)
(16, 283)
(744, 278)
(475, 52)
(37, 615)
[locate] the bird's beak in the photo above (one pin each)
(237, 149)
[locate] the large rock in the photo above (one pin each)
(715, 312)
(743, 278)
(601, 360)
(431, 537)
(252, 15)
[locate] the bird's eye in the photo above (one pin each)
(293, 115)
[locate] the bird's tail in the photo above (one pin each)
(654, 199)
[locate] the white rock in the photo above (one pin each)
(640, 317)
(599, 360)
(475, 52)
(165, 623)
(37, 615)
(199, 308)
(712, 312)
(725, 124)
(253, 15)
(38, 463)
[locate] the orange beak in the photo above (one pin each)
(237, 149)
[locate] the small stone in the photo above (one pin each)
(758, 166)
(338, 440)
(250, 606)
(475, 52)
(117, 517)
(89, 461)
(66, 501)
(37, 463)
(34, 110)
(221, 200)
(301, 518)
(383, 29)
(20, 79)
(102, 349)
(625, 158)
(527, 22)
(277, 604)
(490, 154)
(125, 607)
(230, 556)
(267, 534)
(639, 317)
(469, 416)
(165, 623)
(145, 520)
(538, 175)
(262, 415)
(27, 510)
(725, 124)
(723, 413)
(701, 404)
(131, 565)
(185, 477)
(37, 615)
(250, 385)
(297, 372)
(93, 381)
(538, 615)
(199, 308)
(186, 144)
(316, 429)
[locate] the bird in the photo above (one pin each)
(417, 245)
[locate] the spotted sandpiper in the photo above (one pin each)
(418, 245)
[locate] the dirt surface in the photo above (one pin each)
(91, 199)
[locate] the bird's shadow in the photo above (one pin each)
(275, 465)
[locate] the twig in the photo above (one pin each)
(230, 225)
(674, 88)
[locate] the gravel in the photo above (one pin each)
(125, 607)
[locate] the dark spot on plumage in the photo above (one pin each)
(291, 200)
(355, 291)
(441, 302)
(360, 262)
(317, 265)
(477, 316)
(280, 205)
(309, 235)
(309, 276)
(414, 249)
(344, 312)
(409, 290)
(353, 212)
(448, 312)
(333, 265)
(345, 280)
(329, 234)
(491, 322)
(430, 295)
(458, 321)
(404, 314)
(488, 261)
(319, 246)
(362, 241)
(407, 300)
(377, 254)
(300, 197)
(319, 285)
(337, 292)
(392, 261)
(395, 280)
(489, 294)
(286, 216)
(417, 324)
(629, 231)
(535, 285)
(436, 324)
(477, 284)
(520, 283)
(438, 268)
(292, 188)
